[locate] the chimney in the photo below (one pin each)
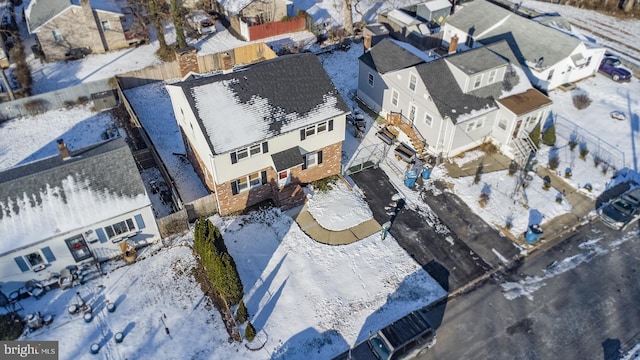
(453, 44)
(64, 152)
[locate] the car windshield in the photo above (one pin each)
(622, 206)
(379, 347)
(616, 63)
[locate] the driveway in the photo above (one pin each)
(448, 257)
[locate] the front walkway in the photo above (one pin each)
(315, 231)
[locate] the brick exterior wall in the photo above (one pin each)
(229, 203)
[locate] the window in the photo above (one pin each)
(34, 259)
(588, 61)
(412, 82)
(78, 248)
(479, 123)
(119, 228)
(242, 153)
(254, 180)
(106, 25)
(502, 124)
(311, 159)
(394, 97)
(550, 76)
(428, 119)
(316, 129)
(311, 130)
(412, 112)
(370, 80)
(471, 125)
(252, 150)
(477, 81)
(492, 76)
(248, 182)
(57, 36)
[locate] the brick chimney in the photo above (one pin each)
(187, 60)
(453, 44)
(64, 152)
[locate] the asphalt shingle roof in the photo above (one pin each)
(529, 40)
(388, 56)
(108, 166)
(262, 100)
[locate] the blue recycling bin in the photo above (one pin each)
(410, 178)
(533, 233)
(426, 173)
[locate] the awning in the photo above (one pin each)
(287, 159)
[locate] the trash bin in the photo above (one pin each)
(533, 233)
(410, 178)
(426, 173)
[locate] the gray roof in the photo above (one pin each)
(292, 85)
(529, 40)
(106, 167)
(449, 98)
(41, 11)
(388, 56)
(287, 159)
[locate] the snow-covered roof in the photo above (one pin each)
(534, 41)
(40, 12)
(402, 18)
(262, 101)
(55, 196)
(235, 6)
(435, 5)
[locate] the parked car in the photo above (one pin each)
(621, 211)
(77, 53)
(612, 66)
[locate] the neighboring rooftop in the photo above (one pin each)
(390, 55)
(40, 12)
(529, 40)
(55, 195)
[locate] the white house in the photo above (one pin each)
(550, 57)
(454, 103)
(70, 208)
(259, 132)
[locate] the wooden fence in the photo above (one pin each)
(173, 223)
(202, 207)
(225, 60)
(262, 31)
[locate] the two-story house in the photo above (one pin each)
(456, 102)
(550, 57)
(70, 208)
(62, 25)
(256, 133)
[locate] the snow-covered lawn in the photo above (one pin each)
(305, 299)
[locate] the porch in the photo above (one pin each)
(406, 126)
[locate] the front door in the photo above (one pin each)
(284, 177)
(516, 131)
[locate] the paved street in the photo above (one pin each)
(584, 304)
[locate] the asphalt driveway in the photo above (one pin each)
(454, 258)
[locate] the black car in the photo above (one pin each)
(77, 53)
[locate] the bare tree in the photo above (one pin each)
(348, 17)
(177, 23)
(152, 5)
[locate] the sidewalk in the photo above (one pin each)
(315, 231)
